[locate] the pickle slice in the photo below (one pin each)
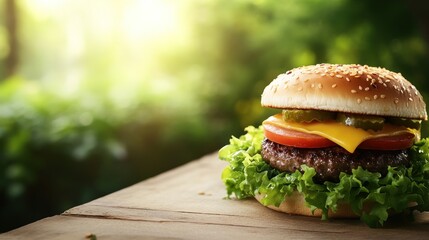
(298, 115)
(406, 122)
(360, 121)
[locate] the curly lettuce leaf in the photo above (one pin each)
(247, 174)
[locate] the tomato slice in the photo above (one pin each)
(295, 138)
(299, 139)
(399, 142)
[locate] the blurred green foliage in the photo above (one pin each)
(59, 150)
(99, 105)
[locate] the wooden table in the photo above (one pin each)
(188, 203)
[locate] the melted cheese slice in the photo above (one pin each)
(346, 136)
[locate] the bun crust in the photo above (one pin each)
(346, 88)
(295, 204)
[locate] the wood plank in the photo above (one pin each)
(194, 187)
(188, 203)
(68, 227)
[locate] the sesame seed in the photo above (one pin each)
(367, 98)
(323, 74)
(396, 101)
(410, 99)
(334, 85)
(375, 97)
(359, 100)
(339, 76)
(319, 85)
(312, 85)
(382, 96)
(360, 87)
(353, 91)
(367, 89)
(331, 74)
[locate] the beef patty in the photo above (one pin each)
(331, 161)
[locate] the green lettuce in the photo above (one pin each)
(247, 174)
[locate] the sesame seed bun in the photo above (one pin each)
(348, 88)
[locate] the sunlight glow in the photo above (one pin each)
(123, 38)
(150, 19)
(44, 8)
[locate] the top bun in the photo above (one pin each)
(348, 88)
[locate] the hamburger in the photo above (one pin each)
(345, 143)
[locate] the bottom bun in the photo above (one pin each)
(295, 204)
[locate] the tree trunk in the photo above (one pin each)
(11, 60)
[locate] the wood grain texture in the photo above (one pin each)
(188, 203)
